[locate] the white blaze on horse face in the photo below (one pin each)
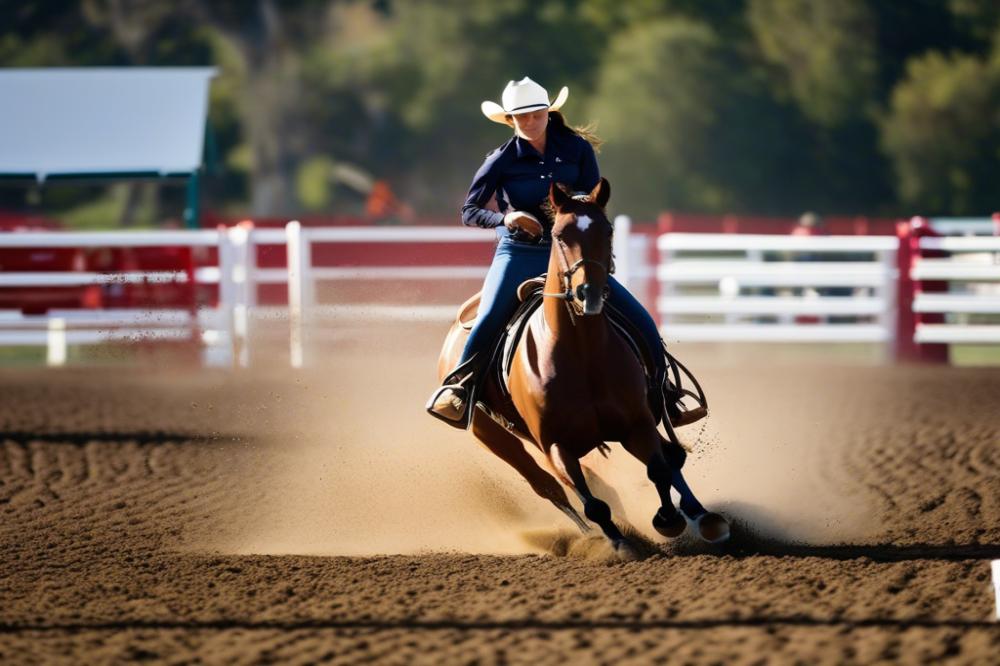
(583, 221)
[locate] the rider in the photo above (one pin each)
(543, 149)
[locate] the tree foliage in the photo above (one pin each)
(660, 100)
(823, 53)
(754, 106)
(943, 134)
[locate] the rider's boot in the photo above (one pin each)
(451, 402)
(673, 405)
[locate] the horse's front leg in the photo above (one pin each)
(596, 510)
(711, 527)
(663, 468)
(644, 445)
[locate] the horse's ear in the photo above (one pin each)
(558, 195)
(601, 193)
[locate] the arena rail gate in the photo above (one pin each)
(913, 294)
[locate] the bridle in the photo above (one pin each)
(566, 272)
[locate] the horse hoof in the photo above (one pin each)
(712, 528)
(670, 526)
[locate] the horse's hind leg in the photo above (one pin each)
(605, 491)
(595, 509)
(509, 448)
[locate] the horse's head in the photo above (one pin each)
(581, 235)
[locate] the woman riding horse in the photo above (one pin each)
(543, 150)
(573, 383)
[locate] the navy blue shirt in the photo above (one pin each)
(519, 177)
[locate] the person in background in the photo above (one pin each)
(810, 224)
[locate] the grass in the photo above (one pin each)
(975, 355)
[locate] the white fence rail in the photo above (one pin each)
(965, 226)
(705, 287)
(60, 328)
(767, 288)
(973, 273)
(223, 330)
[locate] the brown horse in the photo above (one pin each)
(575, 384)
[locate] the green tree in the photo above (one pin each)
(262, 45)
(824, 54)
(443, 58)
(689, 126)
(764, 106)
(269, 40)
(942, 133)
(977, 18)
(657, 104)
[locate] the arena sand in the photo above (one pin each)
(176, 516)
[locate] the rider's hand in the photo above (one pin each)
(520, 221)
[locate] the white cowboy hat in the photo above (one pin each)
(522, 96)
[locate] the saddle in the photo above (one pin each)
(666, 399)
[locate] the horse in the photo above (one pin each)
(575, 384)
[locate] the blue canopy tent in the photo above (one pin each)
(83, 123)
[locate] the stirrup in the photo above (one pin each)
(454, 410)
(688, 416)
(674, 393)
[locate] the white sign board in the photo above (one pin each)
(102, 120)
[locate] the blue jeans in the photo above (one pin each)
(513, 263)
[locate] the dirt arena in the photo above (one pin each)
(182, 516)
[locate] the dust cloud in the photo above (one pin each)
(360, 469)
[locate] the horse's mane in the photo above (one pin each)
(549, 211)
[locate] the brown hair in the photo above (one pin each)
(587, 131)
